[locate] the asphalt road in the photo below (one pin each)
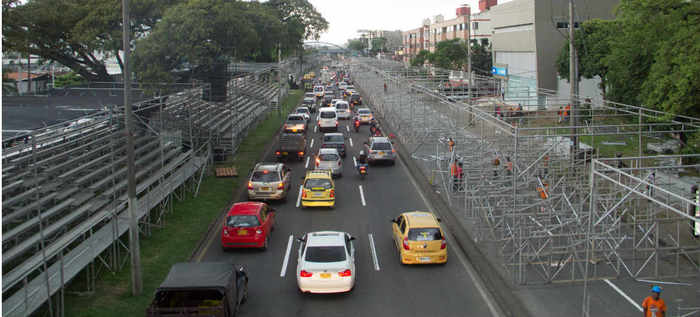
(392, 290)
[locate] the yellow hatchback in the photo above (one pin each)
(419, 238)
(318, 189)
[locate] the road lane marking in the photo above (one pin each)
(312, 142)
(347, 128)
(362, 196)
(299, 197)
(354, 161)
(315, 128)
(623, 294)
(307, 162)
(350, 142)
(373, 250)
(478, 283)
(286, 256)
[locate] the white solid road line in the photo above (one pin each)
(362, 195)
(347, 128)
(373, 250)
(312, 142)
(623, 294)
(307, 162)
(354, 161)
(478, 283)
(299, 197)
(315, 128)
(350, 141)
(286, 256)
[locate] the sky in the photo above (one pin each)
(346, 17)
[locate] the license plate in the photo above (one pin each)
(285, 153)
(266, 189)
(424, 259)
(242, 232)
(319, 195)
(380, 153)
(325, 275)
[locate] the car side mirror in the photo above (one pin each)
(352, 238)
(393, 221)
(302, 240)
(439, 220)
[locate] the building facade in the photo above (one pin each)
(432, 31)
(529, 34)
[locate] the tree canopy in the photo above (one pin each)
(452, 54)
(647, 56)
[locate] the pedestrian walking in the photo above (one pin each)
(509, 166)
(451, 143)
(453, 175)
(496, 163)
(654, 305)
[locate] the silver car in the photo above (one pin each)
(329, 159)
(381, 149)
(269, 181)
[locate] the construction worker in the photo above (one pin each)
(454, 174)
(567, 109)
(451, 143)
(653, 305)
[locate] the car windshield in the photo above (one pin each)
(381, 146)
(328, 157)
(295, 119)
(302, 110)
(424, 234)
(265, 176)
(318, 89)
(242, 221)
(355, 97)
(317, 183)
(341, 106)
(333, 138)
(362, 111)
(325, 254)
(327, 114)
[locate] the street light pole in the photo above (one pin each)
(469, 57)
(134, 244)
(573, 81)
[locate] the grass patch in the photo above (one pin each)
(184, 228)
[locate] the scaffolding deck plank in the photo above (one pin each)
(21, 212)
(23, 227)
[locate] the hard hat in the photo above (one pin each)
(656, 289)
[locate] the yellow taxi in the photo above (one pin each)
(419, 238)
(318, 189)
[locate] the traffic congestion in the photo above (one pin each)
(332, 222)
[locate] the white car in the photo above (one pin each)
(330, 159)
(304, 111)
(342, 85)
(343, 110)
(335, 101)
(328, 119)
(326, 262)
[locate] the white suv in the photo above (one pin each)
(326, 262)
(328, 119)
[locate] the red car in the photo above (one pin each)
(248, 225)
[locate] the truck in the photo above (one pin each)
(291, 145)
(215, 289)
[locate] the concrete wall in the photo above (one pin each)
(513, 26)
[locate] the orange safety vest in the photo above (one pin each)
(453, 169)
(566, 110)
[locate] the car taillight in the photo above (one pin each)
(393, 151)
(345, 273)
(336, 123)
(405, 244)
(305, 274)
(301, 153)
(303, 194)
(250, 185)
(332, 193)
(318, 162)
(443, 245)
(278, 153)
(280, 185)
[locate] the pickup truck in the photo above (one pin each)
(214, 289)
(291, 144)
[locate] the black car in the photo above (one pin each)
(334, 140)
(327, 99)
(355, 99)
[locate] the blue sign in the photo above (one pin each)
(499, 71)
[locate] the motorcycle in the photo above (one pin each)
(357, 126)
(362, 170)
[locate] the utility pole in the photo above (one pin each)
(29, 70)
(573, 81)
(134, 244)
(469, 57)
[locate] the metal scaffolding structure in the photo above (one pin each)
(526, 191)
(64, 190)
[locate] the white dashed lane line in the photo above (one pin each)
(312, 143)
(285, 262)
(350, 142)
(307, 162)
(354, 161)
(299, 197)
(362, 196)
(373, 252)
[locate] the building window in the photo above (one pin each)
(475, 25)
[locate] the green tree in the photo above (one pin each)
(450, 54)
(378, 44)
(67, 80)
(481, 57)
(75, 33)
(420, 58)
(592, 42)
(356, 44)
